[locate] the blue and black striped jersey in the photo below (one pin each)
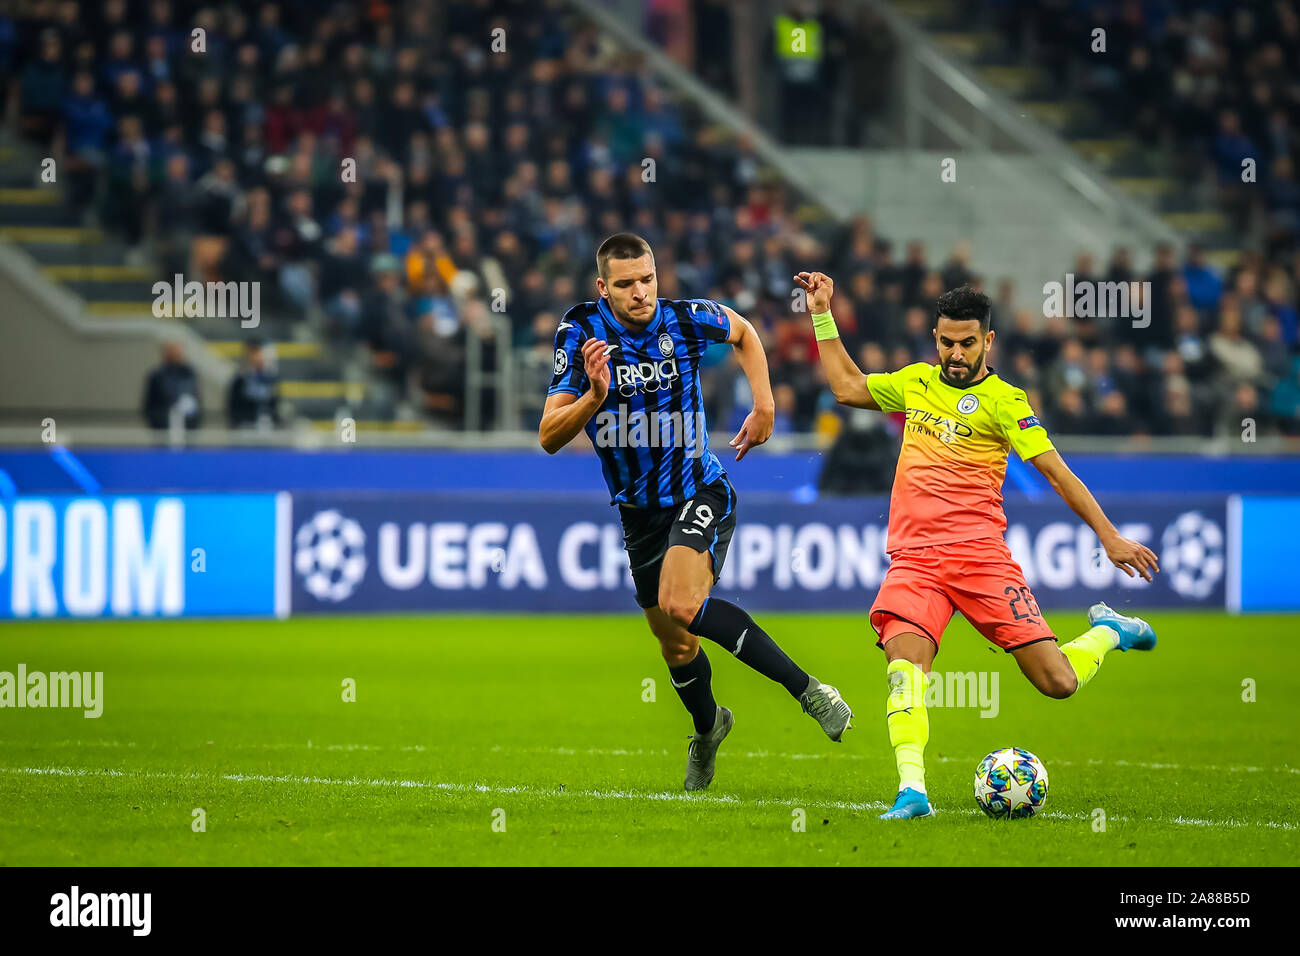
(650, 434)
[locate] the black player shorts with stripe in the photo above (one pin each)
(703, 523)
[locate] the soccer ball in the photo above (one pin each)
(1010, 784)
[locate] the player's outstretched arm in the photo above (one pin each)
(1126, 554)
(566, 414)
(847, 381)
(757, 427)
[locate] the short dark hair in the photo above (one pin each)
(962, 305)
(621, 245)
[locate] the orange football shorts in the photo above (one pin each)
(924, 586)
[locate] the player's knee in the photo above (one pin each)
(1058, 684)
(679, 605)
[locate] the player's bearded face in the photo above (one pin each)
(962, 350)
(632, 289)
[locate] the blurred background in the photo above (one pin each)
(416, 188)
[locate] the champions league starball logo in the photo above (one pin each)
(1192, 554)
(330, 555)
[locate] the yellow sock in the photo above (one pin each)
(1086, 651)
(909, 724)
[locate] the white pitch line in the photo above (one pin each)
(973, 761)
(651, 752)
(434, 785)
(661, 796)
(414, 748)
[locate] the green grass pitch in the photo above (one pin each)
(538, 724)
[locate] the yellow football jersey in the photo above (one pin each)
(948, 486)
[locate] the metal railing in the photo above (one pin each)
(479, 381)
(992, 115)
(606, 15)
(304, 438)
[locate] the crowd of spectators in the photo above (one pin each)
(1205, 82)
(812, 72)
(1196, 355)
(494, 144)
(173, 401)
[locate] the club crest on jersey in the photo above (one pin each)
(561, 361)
(968, 404)
(666, 345)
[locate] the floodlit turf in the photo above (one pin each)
(539, 723)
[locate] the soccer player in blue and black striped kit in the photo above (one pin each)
(626, 372)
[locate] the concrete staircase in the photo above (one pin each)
(318, 383)
(1148, 175)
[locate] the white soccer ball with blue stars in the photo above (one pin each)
(1010, 784)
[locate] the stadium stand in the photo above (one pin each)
(426, 293)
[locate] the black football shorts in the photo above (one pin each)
(703, 523)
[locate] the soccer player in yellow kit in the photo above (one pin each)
(946, 524)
